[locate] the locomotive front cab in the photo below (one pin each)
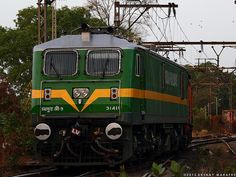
(76, 80)
(77, 110)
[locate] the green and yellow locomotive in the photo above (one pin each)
(98, 99)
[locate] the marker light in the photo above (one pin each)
(114, 93)
(47, 94)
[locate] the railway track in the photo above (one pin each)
(213, 140)
(144, 169)
(37, 172)
(196, 143)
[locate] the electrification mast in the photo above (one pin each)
(42, 20)
(54, 20)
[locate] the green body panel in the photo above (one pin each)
(152, 104)
(142, 110)
(159, 111)
(101, 105)
(82, 80)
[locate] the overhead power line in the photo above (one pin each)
(192, 43)
(146, 7)
(212, 43)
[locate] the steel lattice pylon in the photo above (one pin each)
(42, 20)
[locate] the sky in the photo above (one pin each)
(207, 20)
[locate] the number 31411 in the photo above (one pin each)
(112, 108)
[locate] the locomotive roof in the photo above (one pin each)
(75, 41)
(97, 40)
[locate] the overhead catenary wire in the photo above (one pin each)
(187, 61)
(166, 32)
(181, 29)
(163, 34)
(187, 37)
(165, 26)
(150, 29)
(171, 36)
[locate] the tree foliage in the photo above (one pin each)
(16, 47)
(70, 19)
(104, 9)
(15, 131)
(16, 44)
(8, 97)
(211, 84)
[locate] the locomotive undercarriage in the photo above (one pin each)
(156, 139)
(85, 143)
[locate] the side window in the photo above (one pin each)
(182, 85)
(162, 76)
(138, 65)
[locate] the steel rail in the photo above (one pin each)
(201, 142)
(37, 172)
(229, 147)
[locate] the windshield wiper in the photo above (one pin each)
(54, 68)
(105, 68)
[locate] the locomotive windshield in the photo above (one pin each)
(103, 62)
(60, 63)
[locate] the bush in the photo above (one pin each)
(15, 126)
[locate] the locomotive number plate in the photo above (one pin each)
(112, 108)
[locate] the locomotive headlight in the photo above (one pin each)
(76, 93)
(80, 92)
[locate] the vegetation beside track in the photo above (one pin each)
(16, 46)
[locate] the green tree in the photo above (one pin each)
(15, 132)
(211, 83)
(70, 19)
(16, 44)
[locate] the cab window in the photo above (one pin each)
(60, 63)
(103, 62)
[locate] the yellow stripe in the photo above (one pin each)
(56, 94)
(37, 94)
(151, 95)
(105, 93)
(132, 93)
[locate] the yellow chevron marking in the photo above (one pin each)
(105, 93)
(98, 93)
(56, 94)
(65, 96)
